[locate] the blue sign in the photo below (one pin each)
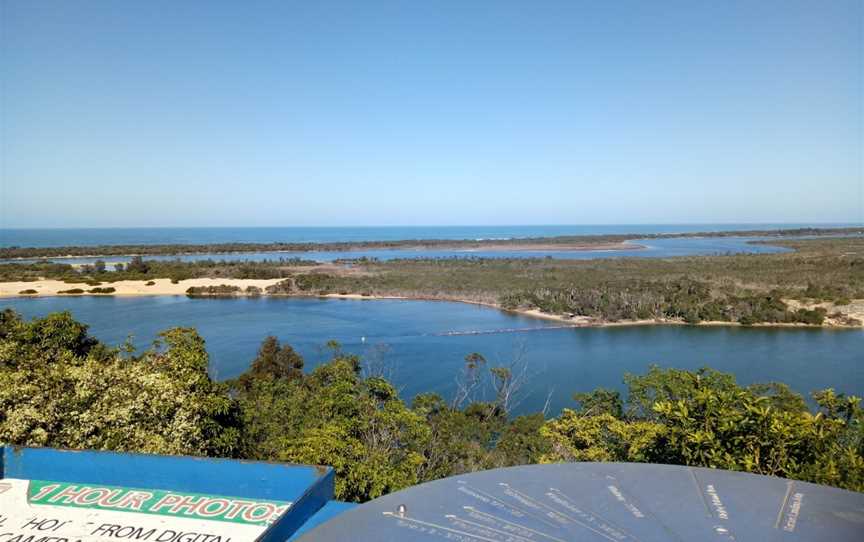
(79, 496)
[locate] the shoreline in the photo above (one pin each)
(456, 247)
(164, 287)
(576, 242)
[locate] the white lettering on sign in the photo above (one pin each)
(619, 496)
(40, 511)
(719, 509)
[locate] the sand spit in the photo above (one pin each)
(126, 287)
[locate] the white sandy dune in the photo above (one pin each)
(128, 287)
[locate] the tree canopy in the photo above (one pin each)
(60, 387)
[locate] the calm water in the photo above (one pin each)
(149, 236)
(654, 248)
(425, 342)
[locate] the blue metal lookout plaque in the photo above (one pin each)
(615, 502)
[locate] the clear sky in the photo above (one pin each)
(439, 112)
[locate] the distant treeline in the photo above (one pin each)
(226, 248)
(60, 387)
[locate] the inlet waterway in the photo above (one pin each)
(638, 248)
(422, 344)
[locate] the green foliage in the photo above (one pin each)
(71, 291)
(704, 418)
(28, 291)
(320, 283)
(333, 417)
(600, 401)
(274, 362)
(137, 265)
(601, 437)
(60, 387)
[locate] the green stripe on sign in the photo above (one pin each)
(156, 501)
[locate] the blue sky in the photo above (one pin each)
(368, 113)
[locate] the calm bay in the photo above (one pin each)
(423, 343)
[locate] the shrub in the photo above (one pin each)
(109, 290)
(280, 288)
(150, 283)
(71, 291)
(813, 317)
(221, 290)
(253, 291)
(28, 291)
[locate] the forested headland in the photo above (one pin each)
(61, 387)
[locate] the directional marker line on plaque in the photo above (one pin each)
(722, 529)
(511, 507)
(789, 486)
(647, 512)
(698, 488)
(565, 516)
(502, 520)
(589, 512)
(455, 518)
(436, 526)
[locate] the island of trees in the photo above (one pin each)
(61, 387)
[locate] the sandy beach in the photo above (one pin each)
(126, 287)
